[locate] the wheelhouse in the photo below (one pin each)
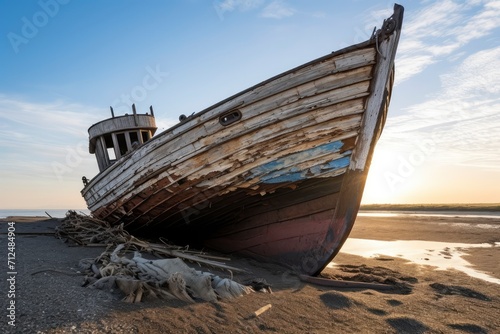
(117, 136)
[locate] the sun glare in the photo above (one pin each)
(391, 179)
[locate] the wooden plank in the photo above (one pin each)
(262, 310)
(376, 101)
(345, 283)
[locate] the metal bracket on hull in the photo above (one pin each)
(388, 27)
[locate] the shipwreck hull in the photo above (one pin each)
(275, 172)
(287, 227)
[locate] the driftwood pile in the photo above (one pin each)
(138, 277)
(88, 231)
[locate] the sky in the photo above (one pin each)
(65, 62)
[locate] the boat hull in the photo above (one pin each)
(275, 172)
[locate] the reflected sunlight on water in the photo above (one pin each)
(442, 255)
(445, 214)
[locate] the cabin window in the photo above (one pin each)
(134, 137)
(145, 136)
(108, 142)
(122, 143)
(111, 153)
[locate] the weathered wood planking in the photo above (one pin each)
(288, 98)
(282, 183)
(292, 80)
(195, 165)
(188, 151)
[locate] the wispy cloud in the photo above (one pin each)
(478, 74)
(440, 30)
(242, 5)
(461, 122)
(35, 135)
(277, 10)
(227, 6)
(47, 117)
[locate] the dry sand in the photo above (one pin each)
(49, 298)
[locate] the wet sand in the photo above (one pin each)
(49, 297)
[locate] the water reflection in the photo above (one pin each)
(443, 255)
(442, 214)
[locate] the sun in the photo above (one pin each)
(392, 178)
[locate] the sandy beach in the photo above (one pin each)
(49, 297)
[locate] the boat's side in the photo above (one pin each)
(318, 106)
(284, 182)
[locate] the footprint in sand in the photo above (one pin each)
(443, 289)
(394, 302)
(407, 325)
(469, 328)
(336, 300)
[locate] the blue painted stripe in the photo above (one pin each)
(285, 175)
(276, 172)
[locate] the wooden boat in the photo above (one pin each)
(275, 172)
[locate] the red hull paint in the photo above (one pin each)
(288, 227)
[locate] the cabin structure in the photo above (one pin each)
(114, 137)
